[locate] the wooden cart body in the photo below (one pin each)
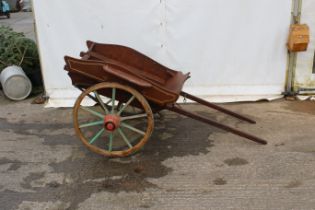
(159, 85)
(115, 63)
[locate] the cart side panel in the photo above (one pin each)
(85, 73)
(133, 58)
(85, 70)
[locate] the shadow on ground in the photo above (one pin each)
(174, 136)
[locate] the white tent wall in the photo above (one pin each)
(235, 50)
(304, 75)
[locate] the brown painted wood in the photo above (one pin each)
(114, 63)
(203, 119)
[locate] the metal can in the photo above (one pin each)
(15, 84)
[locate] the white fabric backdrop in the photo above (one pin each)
(235, 49)
(304, 76)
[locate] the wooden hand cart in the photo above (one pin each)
(121, 90)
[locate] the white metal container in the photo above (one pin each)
(15, 84)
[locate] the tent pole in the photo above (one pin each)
(292, 57)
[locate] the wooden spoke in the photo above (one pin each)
(133, 117)
(110, 145)
(97, 136)
(124, 137)
(127, 104)
(101, 102)
(132, 128)
(100, 122)
(113, 99)
(93, 112)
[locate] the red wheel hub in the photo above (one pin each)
(111, 122)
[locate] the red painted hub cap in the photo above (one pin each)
(111, 122)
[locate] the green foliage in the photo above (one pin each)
(15, 49)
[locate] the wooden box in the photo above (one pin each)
(299, 37)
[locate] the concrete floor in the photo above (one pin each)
(185, 164)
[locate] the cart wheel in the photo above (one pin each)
(117, 125)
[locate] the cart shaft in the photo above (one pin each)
(213, 106)
(200, 118)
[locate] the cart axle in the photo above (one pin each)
(111, 122)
